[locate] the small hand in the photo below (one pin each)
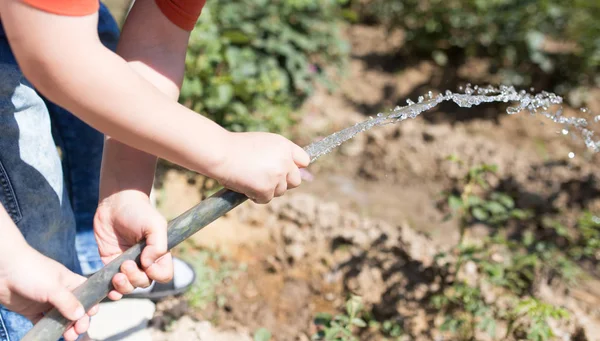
(261, 165)
(34, 284)
(122, 220)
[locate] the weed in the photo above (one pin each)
(510, 264)
(341, 327)
(262, 334)
(532, 316)
(212, 271)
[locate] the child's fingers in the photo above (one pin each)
(294, 178)
(136, 276)
(122, 284)
(281, 188)
(162, 270)
(70, 334)
(114, 295)
(94, 310)
(67, 304)
(82, 325)
(301, 158)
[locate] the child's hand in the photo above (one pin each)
(32, 284)
(261, 165)
(122, 220)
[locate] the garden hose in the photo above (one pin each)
(97, 287)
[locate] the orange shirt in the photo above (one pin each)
(183, 13)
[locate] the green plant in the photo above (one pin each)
(532, 315)
(340, 327)
(392, 328)
(511, 265)
(588, 241)
(251, 62)
(493, 208)
(212, 271)
(262, 334)
(465, 311)
(526, 41)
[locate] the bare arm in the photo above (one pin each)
(155, 48)
(63, 57)
(80, 74)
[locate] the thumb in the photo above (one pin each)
(155, 233)
(301, 158)
(67, 304)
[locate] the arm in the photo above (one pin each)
(80, 74)
(30, 282)
(155, 48)
(63, 57)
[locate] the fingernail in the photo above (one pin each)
(80, 312)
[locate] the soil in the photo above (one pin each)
(370, 223)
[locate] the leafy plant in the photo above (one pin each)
(588, 241)
(465, 311)
(495, 208)
(537, 314)
(340, 327)
(511, 265)
(391, 328)
(526, 41)
(250, 62)
(212, 271)
(262, 334)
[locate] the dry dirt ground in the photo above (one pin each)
(369, 222)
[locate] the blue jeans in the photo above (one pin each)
(51, 201)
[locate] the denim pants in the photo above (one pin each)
(52, 201)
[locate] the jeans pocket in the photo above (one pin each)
(8, 197)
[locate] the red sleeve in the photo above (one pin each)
(183, 13)
(66, 7)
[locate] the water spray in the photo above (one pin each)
(97, 287)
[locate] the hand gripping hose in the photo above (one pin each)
(97, 287)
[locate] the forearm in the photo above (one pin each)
(155, 48)
(78, 73)
(11, 239)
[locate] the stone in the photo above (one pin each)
(292, 234)
(328, 215)
(295, 251)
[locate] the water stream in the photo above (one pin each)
(544, 103)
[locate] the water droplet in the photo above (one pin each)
(379, 115)
(448, 93)
(584, 110)
(410, 102)
(565, 132)
(430, 94)
(468, 90)
(571, 155)
(512, 110)
(421, 99)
